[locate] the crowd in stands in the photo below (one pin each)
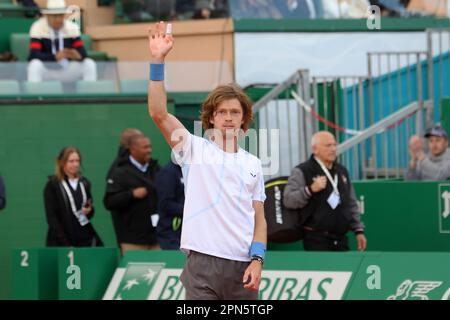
(148, 10)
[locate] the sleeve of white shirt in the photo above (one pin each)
(183, 155)
(259, 192)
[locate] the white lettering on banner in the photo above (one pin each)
(446, 196)
(303, 285)
(278, 215)
(444, 207)
(361, 205)
(275, 285)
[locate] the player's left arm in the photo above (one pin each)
(252, 275)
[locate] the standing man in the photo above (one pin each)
(131, 197)
(2, 194)
(124, 146)
(56, 39)
(224, 229)
(170, 189)
(432, 166)
(321, 188)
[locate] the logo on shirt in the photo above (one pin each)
(253, 175)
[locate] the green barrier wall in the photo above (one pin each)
(31, 136)
(83, 274)
(34, 274)
(299, 276)
(405, 216)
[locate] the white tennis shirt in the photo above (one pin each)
(218, 216)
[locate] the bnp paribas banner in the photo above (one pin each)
(402, 276)
(299, 276)
(287, 276)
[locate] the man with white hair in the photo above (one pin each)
(321, 189)
(56, 39)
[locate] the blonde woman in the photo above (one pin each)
(68, 204)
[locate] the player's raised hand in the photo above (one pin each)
(160, 42)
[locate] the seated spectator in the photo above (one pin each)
(345, 8)
(432, 166)
(201, 9)
(148, 10)
(28, 4)
(298, 9)
(56, 39)
(249, 9)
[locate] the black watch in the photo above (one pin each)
(258, 258)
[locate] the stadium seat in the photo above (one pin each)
(45, 87)
(19, 43)
(9, 87)
(133, 86)
(92, 87)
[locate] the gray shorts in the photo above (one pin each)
(207, 277)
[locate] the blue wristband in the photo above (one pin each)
(258, 249)
(156, 71)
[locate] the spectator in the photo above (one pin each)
(56, 39)
(2, 194)
(170, 190)
(148, 10)
(353, 9)
(68, 204)
(201, 9)
(224, 229)
(321, 188)
(131, 197)
(249, 9)
(124, 145)
(432, 166)
(298, 9)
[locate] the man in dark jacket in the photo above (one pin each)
(131, 197)
(170, 190)
(124, 146)
(2, 194)
(321, 188)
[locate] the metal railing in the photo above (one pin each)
(438, 45)
(280, 111)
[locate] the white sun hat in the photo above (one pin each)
(55, 7)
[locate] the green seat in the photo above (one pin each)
(93, 87)
(9, 87)
(133, 86)
(20, 45)
(44, 87)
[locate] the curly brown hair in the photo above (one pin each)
(224, 93)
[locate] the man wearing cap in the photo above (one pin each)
(57, 39)
(432, 166)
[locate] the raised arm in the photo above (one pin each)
(172, 129)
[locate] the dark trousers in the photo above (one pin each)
(321, 241)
